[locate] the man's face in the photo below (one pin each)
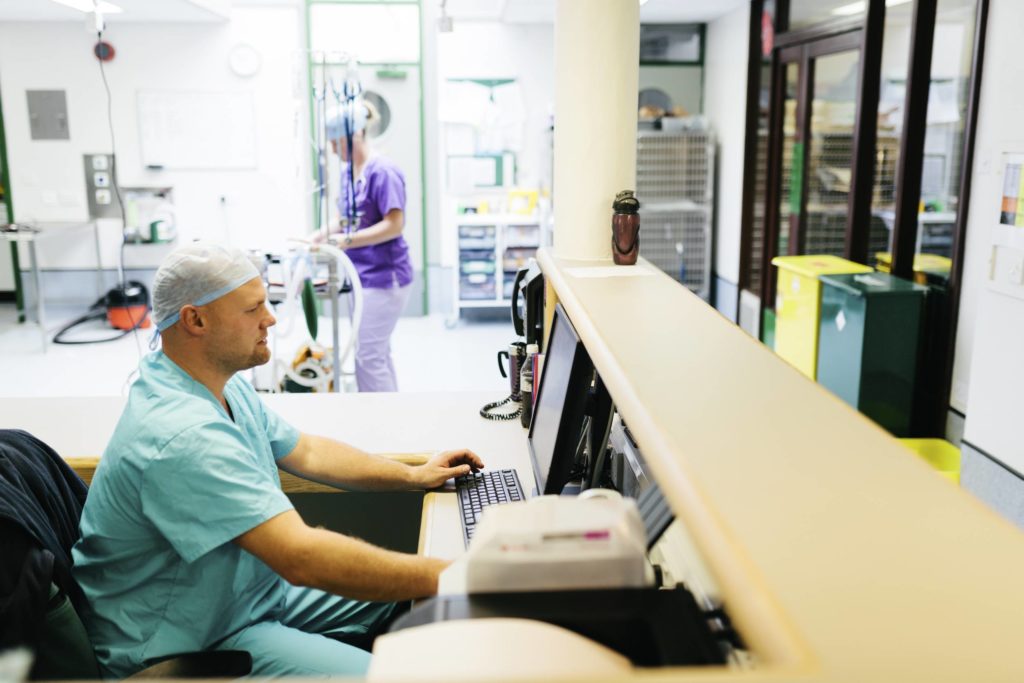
(239, 322)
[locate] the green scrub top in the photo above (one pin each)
(179, 480)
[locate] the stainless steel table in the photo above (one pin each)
(30, 234)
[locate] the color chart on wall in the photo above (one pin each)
(1012, 210)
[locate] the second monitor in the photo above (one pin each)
(560, 409)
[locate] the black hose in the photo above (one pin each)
(98, 311)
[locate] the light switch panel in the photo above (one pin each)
(99, 182)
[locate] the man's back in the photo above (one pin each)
(179, 481)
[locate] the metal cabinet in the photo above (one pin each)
(675, 173)
(491, 250)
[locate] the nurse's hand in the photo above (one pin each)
(445, 465)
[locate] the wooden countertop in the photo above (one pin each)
(840, 555)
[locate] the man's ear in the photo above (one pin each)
(193, 320)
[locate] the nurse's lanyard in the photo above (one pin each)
(350, 89)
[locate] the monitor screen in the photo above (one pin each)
(561, 401)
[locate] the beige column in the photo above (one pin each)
(597, 56)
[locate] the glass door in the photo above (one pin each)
(813, 145)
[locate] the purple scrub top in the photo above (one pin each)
(380, 189)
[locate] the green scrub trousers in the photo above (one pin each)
(315, 634)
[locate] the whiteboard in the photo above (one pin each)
(186, 129)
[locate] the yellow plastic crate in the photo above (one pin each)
(939, 453)
(924, 265)
(798, 305)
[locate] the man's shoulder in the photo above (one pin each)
(153, 419)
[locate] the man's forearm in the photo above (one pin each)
(347, 566)
(337, 464)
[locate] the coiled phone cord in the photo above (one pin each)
(486, 413)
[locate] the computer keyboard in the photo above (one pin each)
(477, 491)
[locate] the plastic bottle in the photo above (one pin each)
(625, 228)
(526, 385)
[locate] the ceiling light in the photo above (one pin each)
(91, 6)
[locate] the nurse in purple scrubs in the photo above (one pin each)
(374, 243)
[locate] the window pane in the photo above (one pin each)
(669, 43)
(370, 33)
(830, 157)
(761, 181)
(895, 64)
(807, 13)
(947, 113)
(948, 97)
(790, 151)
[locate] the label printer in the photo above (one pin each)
(548, 543)
(577, 563)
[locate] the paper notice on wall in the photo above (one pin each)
(183, 129)
(1011, 209)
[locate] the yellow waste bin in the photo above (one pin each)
(939, 453)
(798, 305)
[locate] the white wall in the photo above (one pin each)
(725, 85)
(1001, 110)
(261, 206)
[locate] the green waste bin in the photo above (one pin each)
(869, 344)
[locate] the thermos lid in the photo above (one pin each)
(625, 202)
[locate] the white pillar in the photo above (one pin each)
(597, 57)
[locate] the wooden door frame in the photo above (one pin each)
(804, 54)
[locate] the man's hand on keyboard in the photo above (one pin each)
(445, 465)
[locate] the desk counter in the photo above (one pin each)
(839, 555)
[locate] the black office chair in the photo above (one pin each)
(41, 501)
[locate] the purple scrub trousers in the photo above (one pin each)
(375, 369)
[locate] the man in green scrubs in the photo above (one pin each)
(188, 542)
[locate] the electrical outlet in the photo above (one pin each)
(1016, 273)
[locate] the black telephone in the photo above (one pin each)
(528, 318)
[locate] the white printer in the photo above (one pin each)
(594, 540)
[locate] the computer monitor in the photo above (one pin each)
(560, 407)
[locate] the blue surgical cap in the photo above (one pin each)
(337, 120)
(197, 274)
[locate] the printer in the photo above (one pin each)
(576, 563)
(548, 543)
